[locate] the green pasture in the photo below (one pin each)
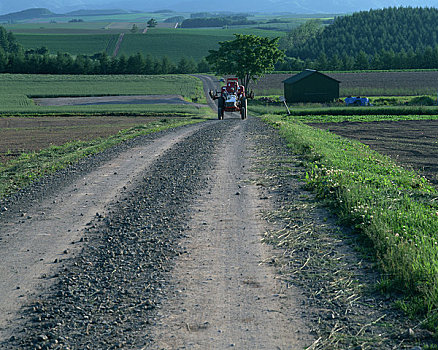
(178, 43)
(74, 44)
(157, 42)
(174, 45)
(15, 90)
(396, 209)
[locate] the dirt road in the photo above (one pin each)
(229, 296)
(156, 244)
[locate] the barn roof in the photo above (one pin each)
(304, 74)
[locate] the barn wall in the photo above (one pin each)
(314, 88)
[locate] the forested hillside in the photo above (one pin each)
(397, 37)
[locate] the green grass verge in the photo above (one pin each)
(29, 167)
(395, 208)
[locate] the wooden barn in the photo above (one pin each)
(311, 86)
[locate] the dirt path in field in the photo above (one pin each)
(118, 44)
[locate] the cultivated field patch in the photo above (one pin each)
(368, 83)
(411, 142)
(74, 44)
(17, 90)
(22, 134)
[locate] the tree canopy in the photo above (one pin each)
(248, 57)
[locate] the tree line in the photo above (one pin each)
(216, 22)
(64, 63)
(13, 59)
(385, 59)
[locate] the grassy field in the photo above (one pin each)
(158, 42)
(74, 44)
(15, 90)
(54, 137)
(394, 208)
(20, 171)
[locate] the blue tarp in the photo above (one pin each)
(357, 101)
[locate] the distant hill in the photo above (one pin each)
(97, 12)
(27, 14)
(394, 29)
(267, 6)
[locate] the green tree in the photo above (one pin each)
(135, 64)
(152, 23)
(335, 63)
(300, 35)
(104, 63)
(361, 61)
(322, 62)
(186, 66)
(134, 28)
(165, 67)
(203, 66)
(3, 60)
(122, 65)
(248, 57)
(148, 67)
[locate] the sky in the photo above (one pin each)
(266, 6)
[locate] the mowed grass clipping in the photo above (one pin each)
(16, 90)
(396, 209)
(29, 167)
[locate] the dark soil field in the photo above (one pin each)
(412, 143)
(20, 134)
(372, 83)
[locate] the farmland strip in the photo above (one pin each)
(118, 44)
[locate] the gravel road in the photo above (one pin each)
(89, 255)
(156, 244)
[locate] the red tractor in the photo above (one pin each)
(231, 98)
